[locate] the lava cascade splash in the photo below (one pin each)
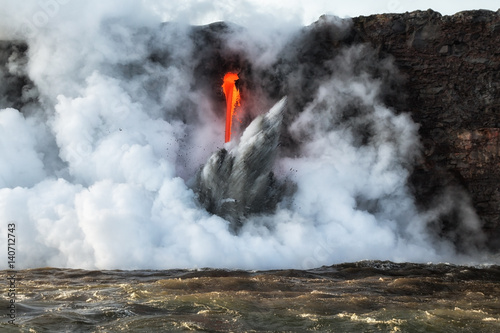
(232, 100)
(241, 182)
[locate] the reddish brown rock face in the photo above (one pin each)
(452, 69)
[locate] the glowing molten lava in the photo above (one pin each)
(232, 99)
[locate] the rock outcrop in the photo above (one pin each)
(452, 69)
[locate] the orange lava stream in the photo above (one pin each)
(232, 99)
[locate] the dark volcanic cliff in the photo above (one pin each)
(452, 69)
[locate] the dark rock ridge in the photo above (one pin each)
(452, 69)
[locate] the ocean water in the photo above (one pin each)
(366, 296)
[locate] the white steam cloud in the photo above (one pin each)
(96, 164)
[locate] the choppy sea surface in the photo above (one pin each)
(366, 296)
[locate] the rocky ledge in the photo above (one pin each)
(452, 69)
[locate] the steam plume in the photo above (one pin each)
(107, 117)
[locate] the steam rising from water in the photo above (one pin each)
(97, 169)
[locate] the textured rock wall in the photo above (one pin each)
(452, 69)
